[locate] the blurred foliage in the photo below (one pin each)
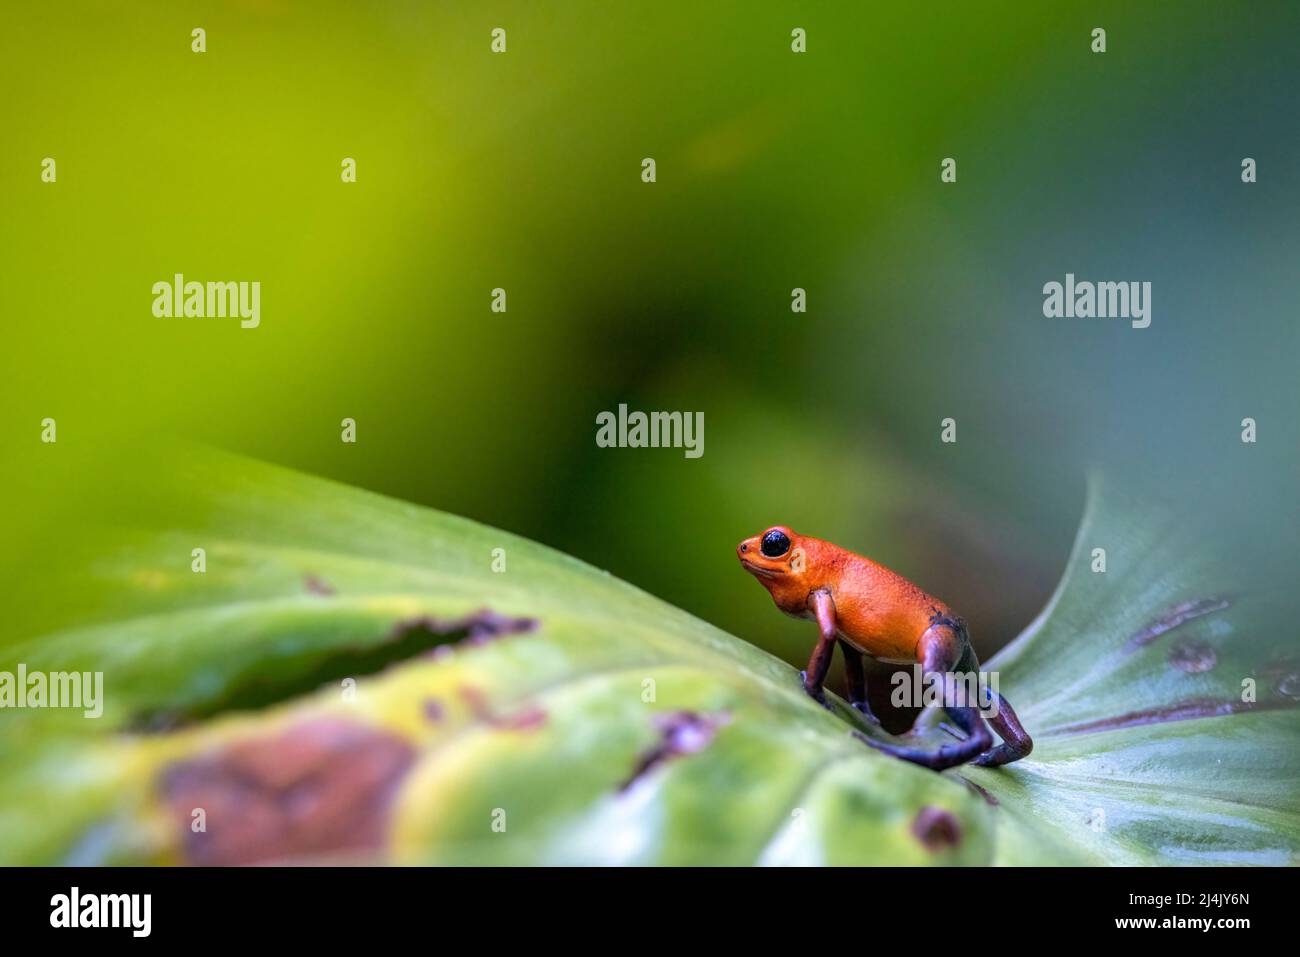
(775, 171)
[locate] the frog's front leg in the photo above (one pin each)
(820, 662)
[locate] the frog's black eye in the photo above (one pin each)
(775, 543)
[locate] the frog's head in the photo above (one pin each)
(782, 562)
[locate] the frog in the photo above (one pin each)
(869, 610)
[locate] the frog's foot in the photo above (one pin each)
(817, 694)
(978, 739)
(865, 710)
(949, 729)
(1016, 742)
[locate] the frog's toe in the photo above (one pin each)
(818, 694)
(865, 710)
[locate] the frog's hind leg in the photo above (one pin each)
(856, 675)
(1016, 742)
(943, 647)
(978, 739)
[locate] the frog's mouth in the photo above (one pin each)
(758, 569)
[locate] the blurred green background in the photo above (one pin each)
(775, 170)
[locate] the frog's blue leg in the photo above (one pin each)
(857, 679)
(1016, 742)
(943, 648)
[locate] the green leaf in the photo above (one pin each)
(548, 713)
(1163, 698)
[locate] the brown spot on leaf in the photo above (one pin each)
(1193, 657)
(1174, 616)
(477, 701)
(317, 586)
(680, 733)
(322, 787)
(982, 792)
(474, 629)
(1181, 711)
(936, 829)
(528, 719)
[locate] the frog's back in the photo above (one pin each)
(880, 612)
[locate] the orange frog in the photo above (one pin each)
(868, 609)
